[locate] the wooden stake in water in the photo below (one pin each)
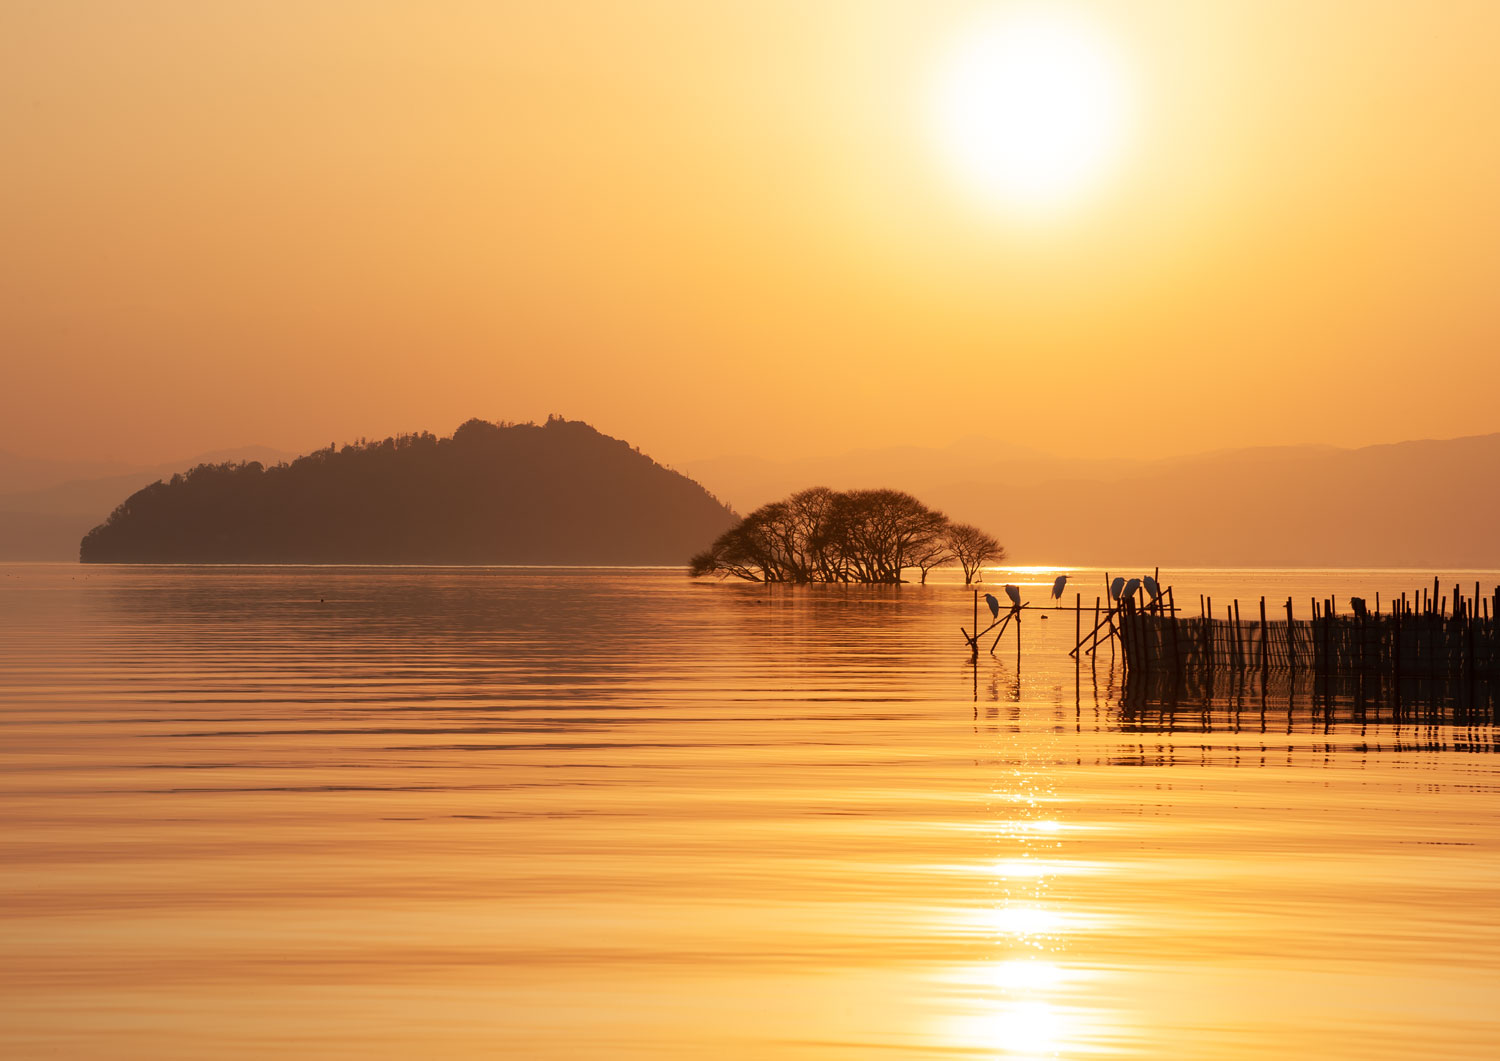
(1077, 626)
(1176, 646)
(1208, 632)
(1094, 659)
(1291, 640)
(974, 644)
(1018, 645)
(1264, 664)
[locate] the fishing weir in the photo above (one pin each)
(1421, 635)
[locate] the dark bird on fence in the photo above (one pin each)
(1115, 587)
(1130, 588)
(1014, 595)
(989, 598)
(1360, 609)
(1057, 587)
(1151, 587)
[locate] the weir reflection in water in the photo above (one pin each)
(562, 814)
(1443, 709)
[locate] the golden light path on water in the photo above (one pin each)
(597, 814)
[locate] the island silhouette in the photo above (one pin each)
(554, 493)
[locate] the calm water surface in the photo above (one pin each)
(346, 812)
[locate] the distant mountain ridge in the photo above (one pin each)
(46, 505)
(1425, 503)
(559, 492)
(19, 472)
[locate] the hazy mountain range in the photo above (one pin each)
(47, 506)
(1424, 504)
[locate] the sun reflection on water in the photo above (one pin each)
(1026, 1028)
(1022, 867)
(1027, 1001)
(1021, 974)
(1023, 922)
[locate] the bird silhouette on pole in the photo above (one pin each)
(989, 598)
(1152, 587)
(1130, 588)
(1057, 587)
(1014, 595)
(1116, 586)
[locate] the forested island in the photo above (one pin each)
(823, 535)
(554, 493)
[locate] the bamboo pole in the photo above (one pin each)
(1077, 631)
(1208, 633)
(1265, 639)
(1469, 650)
(1396, 641)
(1176, 649)
(1003, 624)
(1291, 640)
(1092, 661)
(1093, 634)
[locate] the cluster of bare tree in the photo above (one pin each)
(822, 535)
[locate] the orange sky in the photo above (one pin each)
(724, 228)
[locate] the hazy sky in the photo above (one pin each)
(712, 228)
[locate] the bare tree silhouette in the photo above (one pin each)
(822, 535)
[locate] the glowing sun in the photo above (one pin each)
(1032, 109)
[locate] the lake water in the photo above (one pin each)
(394, 813)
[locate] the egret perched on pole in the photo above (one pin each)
(1151, 587)
(1014, 595)
(1057, 587)
(1116, 586)
(1130, 588)
(989, 598)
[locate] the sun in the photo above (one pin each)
(1031, 109)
